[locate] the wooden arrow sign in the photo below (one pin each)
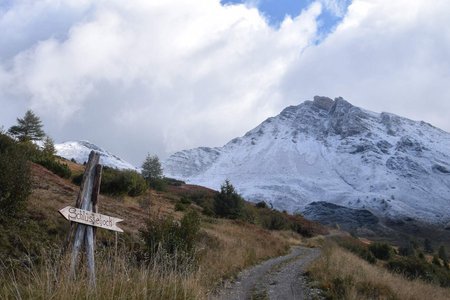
(90, 218)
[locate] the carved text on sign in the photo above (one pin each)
(90, 218)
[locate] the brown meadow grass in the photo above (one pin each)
(345, 276)
(231, 246)
(117, 278)
(225, 248)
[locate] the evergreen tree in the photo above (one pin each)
(228, 203)
(49, 147)
(28, 129)
(151, 168)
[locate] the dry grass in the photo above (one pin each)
(117, 278)
(232, 246)
(226, 247)
(346, 276)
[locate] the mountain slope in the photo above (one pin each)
(329, 150)
(79, 151)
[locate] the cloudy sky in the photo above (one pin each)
(152, 76)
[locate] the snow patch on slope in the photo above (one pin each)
(79, 151)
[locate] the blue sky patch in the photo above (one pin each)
(276, 10)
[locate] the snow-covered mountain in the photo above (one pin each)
(79, 151)
(329, 150)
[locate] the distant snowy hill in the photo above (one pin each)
(79, 151)
(329, 150)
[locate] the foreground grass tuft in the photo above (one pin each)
(118, 277)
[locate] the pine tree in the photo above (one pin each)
(228, 203)
(151, 168)
(28, 129)
(49, 147)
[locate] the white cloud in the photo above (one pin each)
(166, 75)
(159, 76)
(385, 56)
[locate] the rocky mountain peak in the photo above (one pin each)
(323, 102)
(333, 151)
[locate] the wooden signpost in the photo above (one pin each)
(85, 217)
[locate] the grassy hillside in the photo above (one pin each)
(33, 267)
(348, 269)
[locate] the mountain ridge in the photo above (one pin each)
(329, 150)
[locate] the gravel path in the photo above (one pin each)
(277, 278)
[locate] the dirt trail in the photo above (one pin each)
(277, 278)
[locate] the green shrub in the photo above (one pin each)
(413, 268)
(122, 182)
(357, 247)
(261, 204)
(177, 239)
(381, 250)
(205, 201)
(157, 184)
(180, 206)
(275, 220)
(77, 179)
(407, 250)
(60, 169)
(15, 178)
(173, 182)
(228, 203)
(185, 200)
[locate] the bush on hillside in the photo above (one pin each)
(122, 182)
(60, 169)
(77, 179)
(261, 204)
(158, 184)
(180, 206)
(275, 220)
(173, 182)
(407, 250)
(413, 268)
(228, 203)
(357, 247)
(381, 250)
(44, 158)
(204, 200)
(119, 182)
(177, 239)
(15, 178)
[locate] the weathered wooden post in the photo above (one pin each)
(86, 216)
